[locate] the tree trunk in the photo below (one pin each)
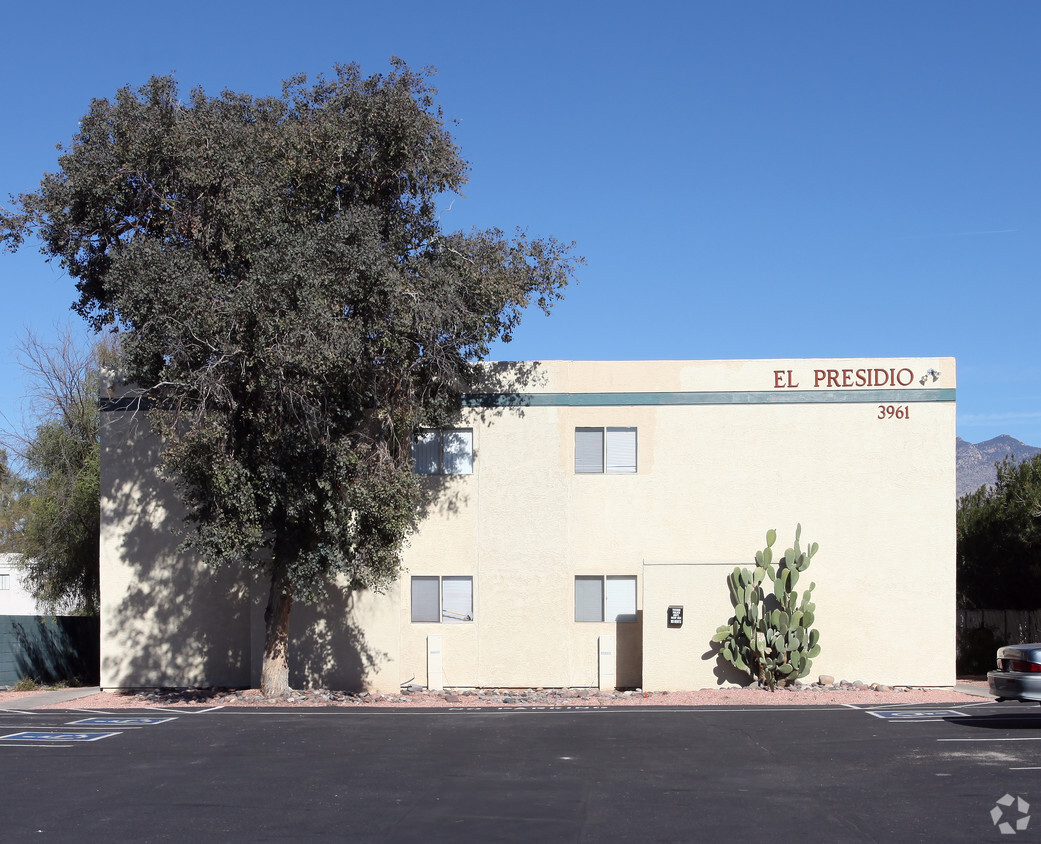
(274, 674)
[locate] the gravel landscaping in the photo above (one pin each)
(840, 692)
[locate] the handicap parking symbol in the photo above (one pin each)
(913, 714)
(119, 722)
(29, 735)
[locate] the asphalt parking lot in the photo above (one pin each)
(835, 773)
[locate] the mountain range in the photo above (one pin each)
(976, 460)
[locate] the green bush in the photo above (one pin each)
(977, 650)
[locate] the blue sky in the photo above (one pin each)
(745, 180)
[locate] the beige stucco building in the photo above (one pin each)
(572, 508)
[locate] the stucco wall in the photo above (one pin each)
(169, 620)
(717, 468)
(726, 450)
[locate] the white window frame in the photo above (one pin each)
(459, 462)
(451, 609)
(614, 602)
(619, 450)
(5, 582)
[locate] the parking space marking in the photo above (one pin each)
(1017, 738)
(31, 735)
(915, 714)
(119, 722)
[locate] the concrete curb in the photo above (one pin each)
(976, 691)
(57, 696)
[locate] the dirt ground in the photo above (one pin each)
(808, 695)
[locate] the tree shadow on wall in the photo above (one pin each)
(55, 649)
(167, 619)
(329, 647)
(500, 391)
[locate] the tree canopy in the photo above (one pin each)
(288, 299)
(12, 504)
(50, 511)
(999, 540)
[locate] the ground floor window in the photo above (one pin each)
(605, 597)
(449, 600)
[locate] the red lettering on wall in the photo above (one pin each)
(818, 374)
(900, 377)
(783, 379)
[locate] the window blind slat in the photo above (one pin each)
(426, 453)
(589, 450)
(589, 598)
(621, 598)
(458, 452)
(425, 595)
(621, 450)
(457, 599)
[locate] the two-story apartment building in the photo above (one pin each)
(581, 524)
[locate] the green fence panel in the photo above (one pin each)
(49, 649)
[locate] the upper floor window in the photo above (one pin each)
(444, 451)
(605, 450)
(5, 581)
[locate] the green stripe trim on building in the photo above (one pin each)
(897, 396)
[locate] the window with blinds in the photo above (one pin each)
(609, 451)
(444, 451)
(446, 600)
(605, 598)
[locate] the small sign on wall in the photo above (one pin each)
(676, 616)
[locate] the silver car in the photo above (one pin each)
(1018, 675)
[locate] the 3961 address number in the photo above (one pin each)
(894, 411)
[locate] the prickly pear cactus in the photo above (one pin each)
(771, 633)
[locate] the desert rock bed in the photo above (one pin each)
(854, 694)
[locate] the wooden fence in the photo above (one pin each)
(982, 632)
(1009, 626)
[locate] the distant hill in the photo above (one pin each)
(976, 461)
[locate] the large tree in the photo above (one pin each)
(12, 505)
(999, 540)
(51, 512)
(287, 298)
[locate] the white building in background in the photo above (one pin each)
(15, 599)
(584, 519)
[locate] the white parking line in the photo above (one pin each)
(1024, 738)
(39, 746)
